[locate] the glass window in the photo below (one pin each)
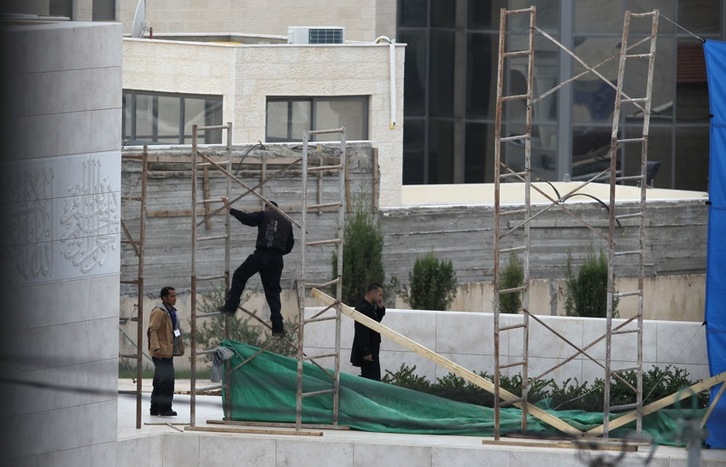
(441, 149)
(288, 118)
(484, 14)
(443, 13)
(479, 158)
(158, 118)
(414, 99)
(104, 10)
(61, 8)
(167, 119)
(691, 15)
(441, 77)
(481, 68)
(335, 113)
(692, 160)
(412, 13)
(414, 134)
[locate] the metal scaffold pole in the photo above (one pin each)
(512, 220)
(330, 312)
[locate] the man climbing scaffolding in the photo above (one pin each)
(274, 239)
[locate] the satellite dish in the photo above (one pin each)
(139, 19)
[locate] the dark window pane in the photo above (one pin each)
(481, 68)
(441, 152)
(443, 13)
(104, 10)
(412, 13)
(590, 151)
(484, 14)
(479, 157)
(692, 160)
(700, 16)
(660, 148)
(61, 8)
(415, 73)
(413, 151)
(441, 81)
(691, 87)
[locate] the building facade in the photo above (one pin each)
(60, 267)
(450, 79)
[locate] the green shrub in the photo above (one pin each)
(511, 276)
(432, 284)
(362, 255)
(569, 395)
(587, 290)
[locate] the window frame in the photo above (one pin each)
(130, 135)
(312, 117)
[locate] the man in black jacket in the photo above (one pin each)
(274, 239)
(367, 342)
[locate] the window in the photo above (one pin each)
(288, 117)
(159, 118)
(104, 10)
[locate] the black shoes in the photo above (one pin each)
(280, 333)
(163, 413)
(226, 311)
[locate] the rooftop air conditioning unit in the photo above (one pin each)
(315, 34)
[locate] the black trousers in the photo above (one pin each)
(269, 265)
(163, 392)
(371, 370)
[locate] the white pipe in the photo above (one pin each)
(392, 66)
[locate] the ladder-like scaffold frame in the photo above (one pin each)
(614, 219)
(302, 286)
(321, 205)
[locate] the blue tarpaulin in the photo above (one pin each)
(716, 256)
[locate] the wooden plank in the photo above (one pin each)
(253, 431)
(445, 363)
(595, 445)
(660, 403)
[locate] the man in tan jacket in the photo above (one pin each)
(163, 327)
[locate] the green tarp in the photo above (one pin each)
(264, 390)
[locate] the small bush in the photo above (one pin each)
(569, 395)
(362, 255)
(587, 290)
(432, 284)
(511, 276)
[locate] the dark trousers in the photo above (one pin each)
(269, 265)
(371, 370)
(163, 392)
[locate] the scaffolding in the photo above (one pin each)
(137, 243)
(512, 233)
(329, 312)
(204, 163)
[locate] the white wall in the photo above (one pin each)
(245, 75)
(61, 243)
(467, 339)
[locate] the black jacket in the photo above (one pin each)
(366, 341)
(274, 231)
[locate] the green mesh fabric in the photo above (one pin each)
(264, 390)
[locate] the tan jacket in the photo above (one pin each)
(161, 332)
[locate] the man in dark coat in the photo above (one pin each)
(367, 342)
(274, 239)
